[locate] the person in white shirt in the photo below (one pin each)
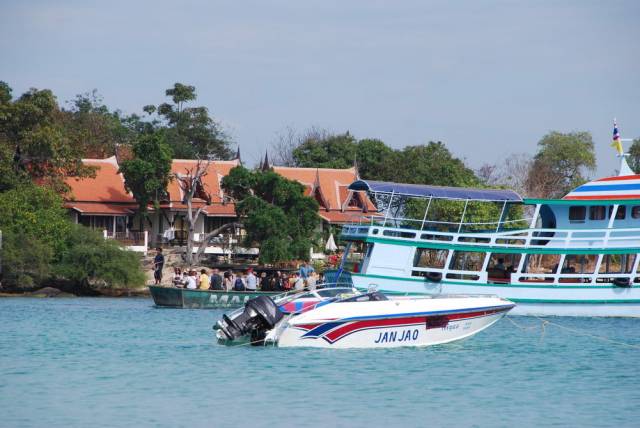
(192, 284)
(251, 281)
(311, 281)
(298, 282)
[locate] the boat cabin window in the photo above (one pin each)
(635, 211)
(467, 260)
(597, 212)
(620, 214)
(617, 263)
(577, 214)
(541, 263)
(399, 234)
(430, 258)
(579, 263)
(501, 265)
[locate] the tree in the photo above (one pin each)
(561, 163)
(92, 261)
(634, 156)
(331, 151)
(432, 163)
(191, 185)
(372, 157)
(93, 127)
(274, 212)
(31, 127)
(191, 132)
(147, 174)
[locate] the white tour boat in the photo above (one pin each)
(366, 320)
(575, 256)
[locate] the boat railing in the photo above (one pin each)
(515, 238)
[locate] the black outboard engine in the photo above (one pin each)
(260, 314)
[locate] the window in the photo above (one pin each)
(541, 263)
(579, 263)
(617, 263)
(508, 262)
(620, 214)
(597, 212)
(430, 258)
(399, 234)
(467, 260)
(577, 214)
(635, 211)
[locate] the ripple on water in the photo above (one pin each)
(106, 362)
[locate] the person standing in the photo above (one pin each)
(311, 281)
(204, 280)
(216, 280)
(158, 265)
(306, 270)
(227, 281)
(191, 281)
(251, 280)
(298, 282)
(239, 283)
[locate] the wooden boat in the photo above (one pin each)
(171, 297)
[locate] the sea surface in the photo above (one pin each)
(122, 362)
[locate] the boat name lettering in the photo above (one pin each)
(392, 336)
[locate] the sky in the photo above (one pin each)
(488, 78)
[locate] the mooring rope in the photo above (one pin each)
(545, 322)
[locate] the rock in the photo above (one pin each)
(46, 292)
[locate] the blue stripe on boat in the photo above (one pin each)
(609, 187)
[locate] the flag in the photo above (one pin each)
(616, 139)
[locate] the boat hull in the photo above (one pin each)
(532, 300)
(391, 331)
(170, 297)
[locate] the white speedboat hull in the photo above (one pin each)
(390, 324)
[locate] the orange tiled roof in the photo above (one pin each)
(212, 180)
(106, 186)
(332, 184)
(97, 208)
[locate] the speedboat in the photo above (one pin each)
(365, 320)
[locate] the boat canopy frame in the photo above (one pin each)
(393, 195)
(437, 192)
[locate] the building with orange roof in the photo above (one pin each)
(330, 188)
(103, 203)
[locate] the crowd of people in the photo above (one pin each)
(304, 278)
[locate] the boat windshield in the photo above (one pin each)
(368, 297)
(336, 291)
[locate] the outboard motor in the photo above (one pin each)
(260, 314)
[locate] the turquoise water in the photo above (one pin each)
(122, 362)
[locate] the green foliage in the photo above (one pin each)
(32, 128)
(634, 156)
(332, 151)
(561, 162)
(432, 164)
(40, 242)
(373, 158)
(190, 131)
(35, 212)
(93, 127)
(88, 256)
(147, 174)
(274, 212)
(26, 259)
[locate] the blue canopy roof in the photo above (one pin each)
(425, 191)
